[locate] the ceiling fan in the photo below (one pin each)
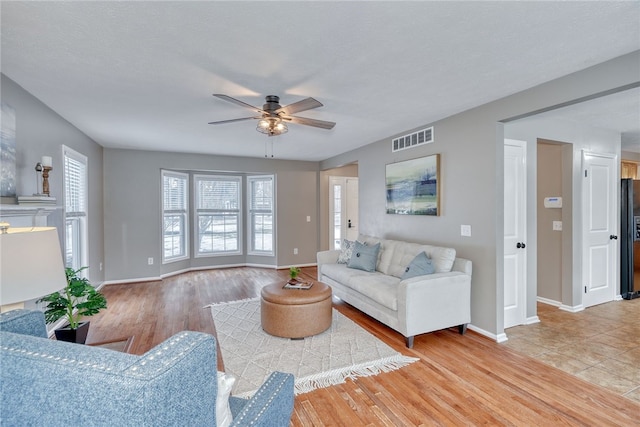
(273, 116)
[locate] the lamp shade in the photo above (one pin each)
(30, 264)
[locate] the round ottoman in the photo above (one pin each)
(295, 313)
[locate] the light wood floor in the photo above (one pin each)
(459, 380)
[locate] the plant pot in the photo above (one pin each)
(78, 336)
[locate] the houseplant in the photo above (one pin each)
(293, 274)
(76, 300)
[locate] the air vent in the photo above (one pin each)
(424, 136)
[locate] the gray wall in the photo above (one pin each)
(549, 181)
(471, 149)
(40, 131)
(132, 211)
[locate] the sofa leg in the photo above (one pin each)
(409, 341)
(462, 329)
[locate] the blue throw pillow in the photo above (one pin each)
(420, 266)
(347, 250)
(364, 257)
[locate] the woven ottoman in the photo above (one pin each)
(295, 313)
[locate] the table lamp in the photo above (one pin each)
(30, 265)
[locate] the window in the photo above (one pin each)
(175, 208)
(75, 215)
(218, 216)
(261, 215)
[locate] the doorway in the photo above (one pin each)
(343, 210)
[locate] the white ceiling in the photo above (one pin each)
(141, 74)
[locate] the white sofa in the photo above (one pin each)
(412, 306)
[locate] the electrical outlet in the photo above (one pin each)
(465, 230)
(557, 225)
(308, 218)
(295, 251)
(150, 260)
(100, 266)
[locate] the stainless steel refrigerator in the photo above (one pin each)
(630, 239)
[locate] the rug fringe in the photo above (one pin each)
(338, 376)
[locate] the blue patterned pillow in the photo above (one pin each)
(364, 257)
(420, 266)
(347, 250)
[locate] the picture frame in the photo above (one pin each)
(413, 186)
(7, 151)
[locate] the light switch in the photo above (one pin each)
(308, 218)
(465, 230)
(557, 225)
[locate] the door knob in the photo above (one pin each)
(612, 237)
(349, 224)
(520, 245)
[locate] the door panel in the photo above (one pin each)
(600, 228)
(514, 233)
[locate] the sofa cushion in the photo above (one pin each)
(379, 287)
(346, 251)
(364, 257)
(420, 266)
(404, 253)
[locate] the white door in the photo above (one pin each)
(343, 210)
(352, 208)
(515, 221)
(600, 222)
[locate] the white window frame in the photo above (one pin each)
(76, 217)
(184, 213)
(237, 212)
(251, 211)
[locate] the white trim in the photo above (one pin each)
(532, 320)
(124, 281)
(549, 301)
(249, 219)
(240, 238)
(570, 309)
(179, 175)
(498, 338)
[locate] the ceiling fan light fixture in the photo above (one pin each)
(272, 126)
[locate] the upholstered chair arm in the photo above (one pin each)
(25, 322)
(326, 257)
(272, 405)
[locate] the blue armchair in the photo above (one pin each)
(53, 383)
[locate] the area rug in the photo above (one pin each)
(343, 351)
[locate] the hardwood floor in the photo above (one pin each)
(459, 380)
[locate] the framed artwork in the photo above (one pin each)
(413, 186)
(7, 151)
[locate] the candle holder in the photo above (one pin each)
(45, 180)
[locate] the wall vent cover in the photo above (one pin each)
(424, 136)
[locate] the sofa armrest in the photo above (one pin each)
(462, 265)
(272, 405)
(447, 296)
(25, 322)
(326, 257)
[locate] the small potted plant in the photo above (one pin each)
(293, 274)
(76, 300)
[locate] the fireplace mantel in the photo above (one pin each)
(26, 216)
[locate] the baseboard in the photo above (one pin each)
(572, 309)
(497, 338)
(123, 281)
(186, 270)
(549, 301)
(532, 320)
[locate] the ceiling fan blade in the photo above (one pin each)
(221, 122)
(303, 105)
(310, 122)
(238, 102)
